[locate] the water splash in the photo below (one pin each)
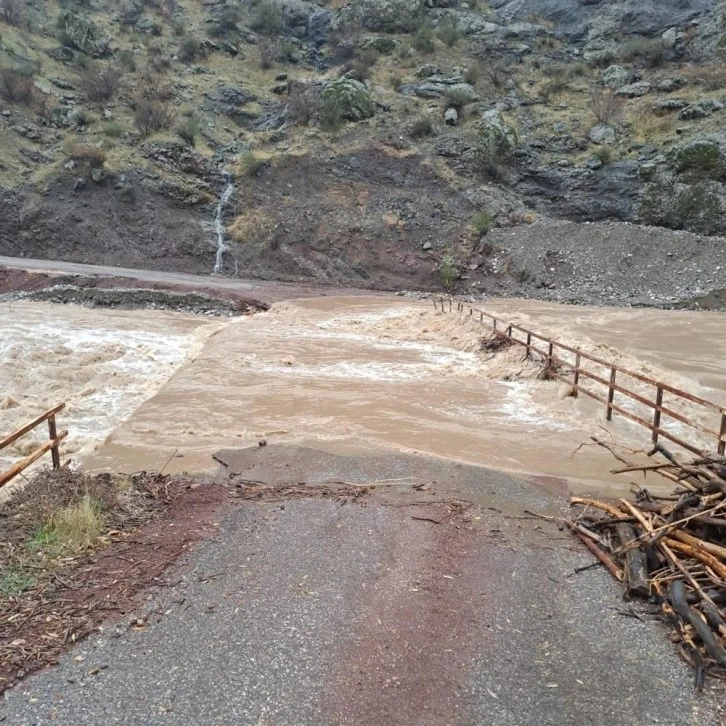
(219, 226)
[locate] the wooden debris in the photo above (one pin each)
(671, 549)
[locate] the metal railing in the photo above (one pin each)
(563, 360)
(52, 445)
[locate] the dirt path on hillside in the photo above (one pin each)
(431, 599)
(27, 274)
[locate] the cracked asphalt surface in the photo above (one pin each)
(436, 606)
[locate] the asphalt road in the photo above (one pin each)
(400, 609)
(261, 289)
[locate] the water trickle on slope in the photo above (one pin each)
(222, 246)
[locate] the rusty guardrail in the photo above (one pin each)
(576, 368)
(52, 445)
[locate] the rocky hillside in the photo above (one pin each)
(385, 143)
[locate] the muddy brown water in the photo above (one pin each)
(148, 390)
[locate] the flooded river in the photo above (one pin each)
(148, 390)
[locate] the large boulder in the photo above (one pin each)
(615, 77)
(582, 20)
(380, 16)
(82, 34)
(602, 134)
(352, 98)
(701, 158)
(634, 90)
(496, 137)
(699, 207)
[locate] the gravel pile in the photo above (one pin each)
(610, 263)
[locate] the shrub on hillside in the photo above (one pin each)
(12, 11)
(99, 83)
(421, 127)
(649, 51)
(447, 271)
(113, 129)
(151, 116)
(267, 18)
(363, 64)
(189, 49)
(188, 130)
(303, 105)
(482, 222)
(448, 34)
(498, 76)
(250, 165)
(16, 84)
(423, 41)
(605, 105)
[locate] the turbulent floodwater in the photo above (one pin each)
(351, 375)
(102, 364)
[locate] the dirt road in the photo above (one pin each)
(259, 289)
(444, 606)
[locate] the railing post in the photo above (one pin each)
(611, 394)
(495, 324)
(656, 413)
(481, 317)
(529, 344)
(509, 331)
(471, 311)
(722, 433)
(576, 380)
(550, 350)
(55, 454)
(450, 304)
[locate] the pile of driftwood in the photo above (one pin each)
(671, 549)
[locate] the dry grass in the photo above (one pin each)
(646, 126)
(249, 224)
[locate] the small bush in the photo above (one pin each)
(447, 271)
(606, 106)
(604, 154)
(85, 154)
(250, 165)
(269, 51)
(303, 105)
(16, 85)
(188, 130)
(190, 49)
(423, 41)
(99, 83)
(12, 11)
(151, 116)
(421, 127)
(491, 162)
(332, 113)
(113, 129)
(267, 18)
(448, 34)
(482, 222)
(81, 118)
(558, 80)
(403, 51)
(472, 74)
(498, 77)
(127, 60)
(226, 23)
(648, 50)
(577, 70)
(363, 64)
(602, 59)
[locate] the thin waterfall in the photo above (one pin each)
(219, 225)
